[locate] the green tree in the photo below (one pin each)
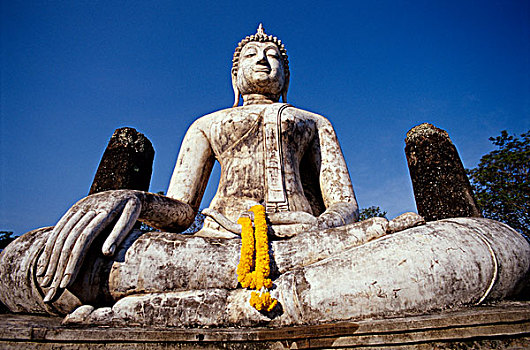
(501, 182)
(6, 237)
(197, 224)
(371, 212)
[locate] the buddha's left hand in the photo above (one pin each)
(292, 217)
(288, 224)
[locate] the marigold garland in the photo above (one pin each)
(255, 246)
(262, 301)
(246, 261)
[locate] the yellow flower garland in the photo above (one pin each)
(246, 261)
(255, 245)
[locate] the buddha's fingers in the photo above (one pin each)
(65, 254)
(224, 221)
(77, 256)
(125, 223)
(295, 217)
(57, 247)
(45, 257)
(405, 221)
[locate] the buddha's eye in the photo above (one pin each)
(272, 53)
(250, 53)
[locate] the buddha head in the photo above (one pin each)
(260, 66)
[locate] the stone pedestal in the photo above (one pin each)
(441, 187)
(500, 326)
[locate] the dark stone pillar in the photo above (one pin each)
(126, 164)
(441, 187)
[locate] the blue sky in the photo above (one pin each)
(74, 71)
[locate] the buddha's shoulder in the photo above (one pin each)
(224, 115)
(242, 113)
(304, 114)
(210, 117)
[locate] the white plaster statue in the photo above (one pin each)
(325, 267)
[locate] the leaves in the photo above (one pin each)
(6, 237)
(371, 212)
(501, 183)
(196, 225)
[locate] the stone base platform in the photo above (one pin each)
(500, 326)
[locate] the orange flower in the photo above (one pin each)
(255, 245)
(246, 261)
(263, 301)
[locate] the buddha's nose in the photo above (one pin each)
(262, 58)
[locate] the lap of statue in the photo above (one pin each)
(343, 273)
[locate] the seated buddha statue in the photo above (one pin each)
(324, 266)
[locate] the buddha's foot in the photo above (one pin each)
(405, 221)
(210, 307)
(87, 314)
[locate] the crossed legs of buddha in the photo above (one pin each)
(338, 274)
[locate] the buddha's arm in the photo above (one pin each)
(193, 167)
(335, 184)
(176, 210)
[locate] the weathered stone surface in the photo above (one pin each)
(236, 137)
(21, 291)
(441, 187)
(500, 326)
(440, 265)
(127, 163)
(159, 262)
(443, 264)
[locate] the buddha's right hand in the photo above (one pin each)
(71, 238)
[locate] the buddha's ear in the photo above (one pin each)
(236, 90)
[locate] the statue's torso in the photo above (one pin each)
(237, 138)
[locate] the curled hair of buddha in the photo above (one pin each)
(261, 36)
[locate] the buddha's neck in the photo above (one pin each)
(257, 99)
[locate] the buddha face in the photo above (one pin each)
(260, 70)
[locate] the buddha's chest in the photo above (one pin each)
(261, 130)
